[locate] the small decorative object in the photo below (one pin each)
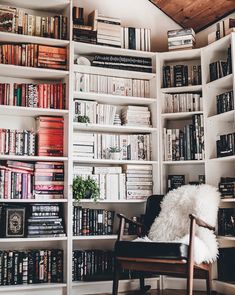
(83, 119)
(117, 120)
(85, 189)
(115, 153)
(15, 222)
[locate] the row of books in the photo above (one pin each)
(225, 102)
(111, 85)
(17, 20)
(91, 264)
(225, 145)
(136, 116)
(17, 142)
(136, 38)
(91, 222)
(130, 228)
(227, 187)
(181, 39)
(221, 68)
(175, 180)
(225, 264)
(23, 180)
(186, 144)
(31, 266)
(128, 63)
(183, 102)
(34, 55)
(33, 95)
(98, 146)
(181, 75)
(222, 28)
(226, 222)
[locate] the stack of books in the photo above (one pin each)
(52, 57)
(186, 144)
(17, 142)
(108, 29)
(227, 187)
(16, 180)
(128, 63)
(45, 220)
(111, 85)
(225, 145)
(83, 171)
(223, 28)
(31, 266)
(5, 94)
(49, 180)
(225, 102)
(183, 102)
(181, 75)
(50, 136)
(139, 181)
(175, 181)
(181, 39)
(91, 222)
(16, 20)
(136, 116)
(84, 145)
(137, 39)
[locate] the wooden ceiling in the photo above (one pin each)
(196, 14)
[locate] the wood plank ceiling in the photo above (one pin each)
(196, 14)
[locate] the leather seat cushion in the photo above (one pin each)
(158, 250)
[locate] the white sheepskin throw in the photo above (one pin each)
(172, 224)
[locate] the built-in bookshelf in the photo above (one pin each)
(196, 98)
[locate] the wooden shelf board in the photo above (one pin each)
(223, 117)
(223, 159)
(31, 73)
(225, 238)
(222, 83)
(176, 55)
(33, 201)
(186, 162)
(55, 5)
(101, 237)
(30, 112)
(91, 49)
(112, 128)
(180, 115)
(29, 240)
(108, 161)
(114, 99)
(28, 287)
(192, 88)
(32, 158)
(109, 201)
(18, 38)
(113, 72)
(227, 200)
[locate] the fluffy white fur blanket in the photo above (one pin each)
(172, 224)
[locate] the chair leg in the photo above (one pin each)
(116, 278)
(208, 282)
(143, 288)
(190, 280)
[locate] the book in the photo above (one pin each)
(175, 181)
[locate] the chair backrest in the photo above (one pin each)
(152, 210)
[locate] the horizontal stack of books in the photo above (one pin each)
(186, 144)
(225, 102)
(128, 63)
(92, 264)
(31, 266)
(136, 116)
(225, 145)
(175, 181)
(45, 220)
(34, 55)
(17, 20)
(91, 222)
(17, 142)
(183, 102)
(181, 39)
(221, 68)
(16, 180)
(181, 75)
(108, 29)
(97, 113)
(223, 28)
(84, 145)
(137, 39)
(226, 222)
(111, 85)
(111, 181)
(227, 187)
(139, 181)
(50, 136)
(49, 180)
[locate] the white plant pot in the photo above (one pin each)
(115, 156)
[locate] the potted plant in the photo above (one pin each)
(83, 119)
(115, 153)
(85, 189)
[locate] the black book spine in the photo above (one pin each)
(132, 38)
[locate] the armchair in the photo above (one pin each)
(174, 258)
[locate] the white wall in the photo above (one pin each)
(137, 13)
(201, 37)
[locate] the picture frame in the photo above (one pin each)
(15, 222)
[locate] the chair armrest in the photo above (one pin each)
(200, 222)
(123, 218)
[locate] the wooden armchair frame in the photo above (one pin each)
(179, 268)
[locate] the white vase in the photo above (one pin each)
(115, 156)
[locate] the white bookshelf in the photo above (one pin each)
(212, 167)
